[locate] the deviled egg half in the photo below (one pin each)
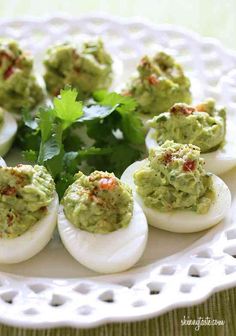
(8, 129)
(203, 125)
(18, 84)
(175, 191)
(87, 67)
(159, 83)
(28, 211)
(100, 224)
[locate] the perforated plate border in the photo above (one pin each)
(183, 279)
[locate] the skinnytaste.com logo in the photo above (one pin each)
(201, 322)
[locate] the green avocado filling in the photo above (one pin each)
(174, 179)
(202, 125)
(98, 203)
(160, 83)
(87, 68)
(25, 193)
(18, 86)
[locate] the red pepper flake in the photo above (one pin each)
(9, 191)
(167, 158)
(182, 109)
(153, 80)
(189, 165)
(107, 183)
(8, 72)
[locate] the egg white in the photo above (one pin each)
(31, 242)
(2, 162)
(106, 253)
(183, 221)
(7, 133)
(217, 162)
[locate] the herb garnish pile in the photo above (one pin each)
(104, 133)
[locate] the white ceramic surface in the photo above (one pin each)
(176, 270)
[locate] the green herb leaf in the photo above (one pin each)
(131, 125)
(70, 161)
(122, 156)
(30, 155)
(56, 165)
(57, 135)
(96, 112)
(115, 99)
(63, 182)
(132, 128)
(52, 146)
(28, 139)
(66, 107)
(46, 119)
(94, 151)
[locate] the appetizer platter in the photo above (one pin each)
(117, 182)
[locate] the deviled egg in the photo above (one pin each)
(28, 211)
(175, 191)
(18, 85)
(100, 224)
(159, 83)
(87, 67)
(8, 129)
(203, 125)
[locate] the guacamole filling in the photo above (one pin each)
(174, 179)
(202, 125)
(87, 68)
(25, 193)
(159, 84)
(98, 203)
(18, 86)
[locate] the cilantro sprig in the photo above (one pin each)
(105, 134)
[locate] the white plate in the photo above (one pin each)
(52, 289)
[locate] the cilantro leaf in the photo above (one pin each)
(52, 146)
(133, 128)
(46, 122)
(62, 183)
(27, 138)
(115, 99)
(30, 155)
(66, 107)
(56, 165)
(56, 138)
(122, 156)
(70, 161)
(94, 151)
(131, 125)
(96, 112)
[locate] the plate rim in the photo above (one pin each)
(141, 316)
